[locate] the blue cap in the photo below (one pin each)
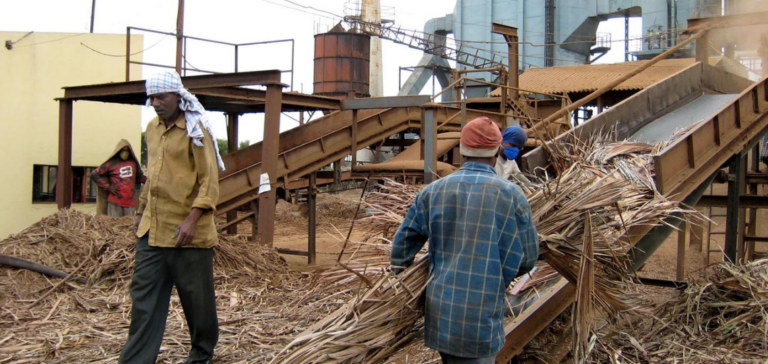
(514, 135)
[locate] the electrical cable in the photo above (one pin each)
(313, 8)
(303, 11)
(52, 40)
(123, 55)
(19, 40)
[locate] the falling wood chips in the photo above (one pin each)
(609, 182)
(262, 303)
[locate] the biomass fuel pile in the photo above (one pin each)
(721, 319)
(262, 303)
(609, 182)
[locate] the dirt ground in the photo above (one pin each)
(663, 262)
(334, 217)
(291, 233)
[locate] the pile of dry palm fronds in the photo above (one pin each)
(723, 319)
(395, 302)
(612, 181)
(262, 303)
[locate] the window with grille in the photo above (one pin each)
(44, 184)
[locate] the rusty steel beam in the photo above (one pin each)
(513, 69)
(385, 102)
(64, 171)
(312, 219)
(235, 222)
(322, 179)
(310, 152)
(745, 201)
(190, 82)
(290, 99)
(727, 21)
(270, 153)
(291, 139)
(685, 164)
(680, 169)
(534, 319)
(233, 121)
(757, 178)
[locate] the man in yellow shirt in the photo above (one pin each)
(175, 225)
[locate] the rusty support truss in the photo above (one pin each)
(190, 82)
(269, 151)
(64, 171)
(696, 155)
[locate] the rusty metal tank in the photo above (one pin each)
(342, 63)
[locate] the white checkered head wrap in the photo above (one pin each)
(194, 112)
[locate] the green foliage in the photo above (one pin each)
(144, 151)
(223, 146)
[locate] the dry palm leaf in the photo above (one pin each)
(608, 183)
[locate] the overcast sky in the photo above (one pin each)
(239, 21)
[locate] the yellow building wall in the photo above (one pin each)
(32, 74)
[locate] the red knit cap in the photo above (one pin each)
(480, 138)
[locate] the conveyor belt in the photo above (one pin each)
(729, 115)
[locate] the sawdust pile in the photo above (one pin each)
(262, 303)
(336, 210)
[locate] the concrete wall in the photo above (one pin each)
(31, 76)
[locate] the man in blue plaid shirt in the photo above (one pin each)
(481, 237)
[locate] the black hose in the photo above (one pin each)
(39, 268)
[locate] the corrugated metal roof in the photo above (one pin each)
(587, 78)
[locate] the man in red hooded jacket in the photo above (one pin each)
(119, 176)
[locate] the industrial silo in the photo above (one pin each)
(342, 63)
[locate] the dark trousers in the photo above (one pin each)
(450, 359)
(155, 273)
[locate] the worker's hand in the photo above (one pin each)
(113, 190)
(136, 224)
(185, 233)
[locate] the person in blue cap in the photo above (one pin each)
(513, 140)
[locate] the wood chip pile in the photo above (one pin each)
(612, 181)
(262, 303)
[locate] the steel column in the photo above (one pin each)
(232, 143)
(734, 220)
(270, 149)
(430, 143)
(179, 36)
(255, 220)
(64, 171)
(354, 138)
(312, 220)
(128, 55)
(683, 237)
(337, 174)
(702, 48)
(754, 167)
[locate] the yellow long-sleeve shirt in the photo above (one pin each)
(181, 176)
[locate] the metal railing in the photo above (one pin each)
(429, 43)
(236, 48)
(354, 9)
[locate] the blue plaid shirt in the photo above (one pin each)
(481, 237)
